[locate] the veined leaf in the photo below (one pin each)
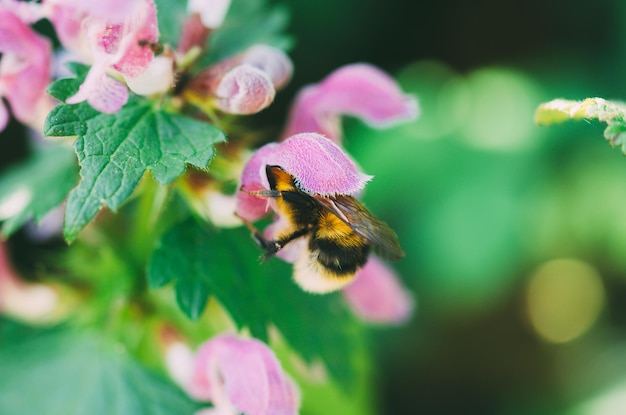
(610, 112)
(226, 264)
(115, 150)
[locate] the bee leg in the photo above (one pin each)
(272, 246)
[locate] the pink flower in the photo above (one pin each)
(273, 61)
(376, 296)
(319, 168)
(359, 90)
(24, 69)
(121, 45)
(242, 375)
(243, 84)
(72, 19)
(318, 165)
(244, 90)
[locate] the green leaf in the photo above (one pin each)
(610, 112)
(115, 150)
(62, 372)
(64, 88)
(40, 184)
(257, 294)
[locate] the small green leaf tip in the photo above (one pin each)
(560, 110)
(610, 112)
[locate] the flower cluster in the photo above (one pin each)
(120, 42)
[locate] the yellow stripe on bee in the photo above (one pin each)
(284, 181)
(333, 228)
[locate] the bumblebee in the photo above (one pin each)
(334, 234)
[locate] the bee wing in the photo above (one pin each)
(354, 214)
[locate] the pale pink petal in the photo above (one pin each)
(179, 361)
(245, 374)
(28, 12)
(212, 12)
(273, 61)
(25, 66)
(318, 165)
(131, 41)
(157, 78)
(359, 90)
(101, 92)
(123, 45)
(377, 296)
(244, 90)
(218, 208)
(112, 10)
(68, 24)
(250, 207)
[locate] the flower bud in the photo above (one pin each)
(244, 90)
(273, 61)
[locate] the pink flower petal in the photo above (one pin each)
(112, 10)
(250, 207)
(273, 61)
(157, 78)
(133, 38)
(244, 374)
(25, 66)
(244, 90)
(68, 24)
(28, 12)
(359, 90)
(318, 165)
(377, 296)
(101, 92)
(124, 45)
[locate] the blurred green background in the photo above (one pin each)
(515, 234)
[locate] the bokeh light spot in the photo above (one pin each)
(564, 299)
(443, 96)
(503, 103)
